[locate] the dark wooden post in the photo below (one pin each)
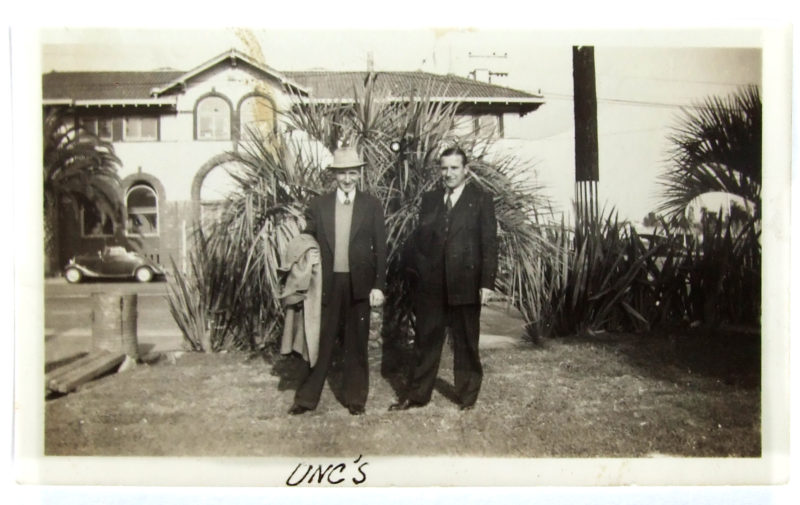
(587, 172)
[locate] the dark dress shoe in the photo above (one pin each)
(405, 405)
(298, 409)
(356, 411)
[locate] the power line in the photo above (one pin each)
(690, 81)
(622, 101)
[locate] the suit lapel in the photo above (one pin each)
(359, 213)
(458, 212)
(328, 208)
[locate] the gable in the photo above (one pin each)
(232, 59)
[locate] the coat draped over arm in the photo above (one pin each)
(302, 298)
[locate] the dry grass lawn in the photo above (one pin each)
(696, 395)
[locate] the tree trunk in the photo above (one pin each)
(51, 238)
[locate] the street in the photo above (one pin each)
(68, 323)
(68, 310)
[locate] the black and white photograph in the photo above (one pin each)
(407, 257)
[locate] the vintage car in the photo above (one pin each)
(111, 262)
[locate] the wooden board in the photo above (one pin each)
(69, 377)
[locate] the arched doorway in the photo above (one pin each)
(211, 185)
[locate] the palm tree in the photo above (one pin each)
(716, 147)
(80, 168)
(716, 152)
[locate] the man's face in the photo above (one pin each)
(347, 178)
(453, 170)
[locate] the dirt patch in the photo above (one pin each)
(615, 396)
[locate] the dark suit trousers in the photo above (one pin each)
(433, 315)
(349, 318)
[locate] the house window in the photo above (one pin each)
(489, 125)
(213, 119)
(142, 204)
(102, 127)
(257, 114)
(95, 222)
(141, 128)
(463, 125)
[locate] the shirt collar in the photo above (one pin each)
(456, 192)
(341, 195)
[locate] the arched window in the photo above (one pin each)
(256, 113)
(142, 204)
(213, 119)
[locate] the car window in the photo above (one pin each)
(116, 251)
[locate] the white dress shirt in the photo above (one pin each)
(455, 193)
(342, 196)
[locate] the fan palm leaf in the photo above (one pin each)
(716, 146)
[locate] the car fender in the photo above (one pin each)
(153, 268)
(85, 271)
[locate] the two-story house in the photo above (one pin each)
(171, 130)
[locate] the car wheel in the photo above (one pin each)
(143, 274)
(73, 275)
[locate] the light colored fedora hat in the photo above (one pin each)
(346, 157)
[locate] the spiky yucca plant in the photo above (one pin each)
(243, 247)
(236, 255)
(593, 276)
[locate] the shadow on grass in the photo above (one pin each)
(447, 390)
(291, 370)
(54, 365)
(396, 357)
(730, 355)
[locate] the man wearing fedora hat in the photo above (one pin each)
(348, 224)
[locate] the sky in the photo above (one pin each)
(643, 79)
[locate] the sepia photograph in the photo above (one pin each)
(408, 257)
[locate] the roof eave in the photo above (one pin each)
(233, 53)
(534, 102)
(58, 101)
(111, 102)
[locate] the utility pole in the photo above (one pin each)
(587, 172)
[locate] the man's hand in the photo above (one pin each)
(375, 298)
(486, 294)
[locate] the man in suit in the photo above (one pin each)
(454, 258)
(348, 224)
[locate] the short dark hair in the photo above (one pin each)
(457, 151)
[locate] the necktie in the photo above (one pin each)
(347, 198)
(448, 202)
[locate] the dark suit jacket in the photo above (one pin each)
(455, 257)
(367, 249)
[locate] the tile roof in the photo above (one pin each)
(103, 85)
(325, 85)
